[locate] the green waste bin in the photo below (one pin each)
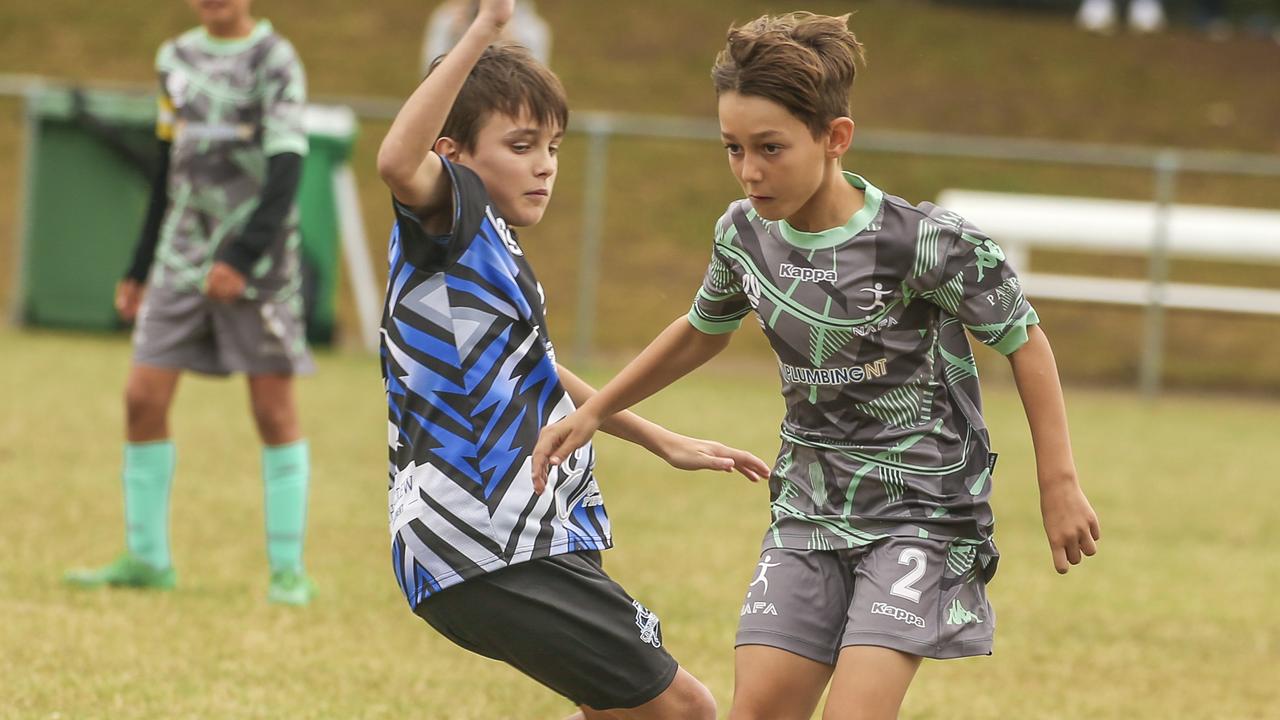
(90, 157)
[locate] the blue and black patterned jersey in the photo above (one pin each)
(470, 378)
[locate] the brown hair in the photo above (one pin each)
(508, 80)
(802, 61)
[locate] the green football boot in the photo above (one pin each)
(126, 571)
(290, 587)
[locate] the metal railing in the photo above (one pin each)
(1164, 164)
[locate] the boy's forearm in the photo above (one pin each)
(677, 351)
(419, 122)
(625, 425)
(1036, 375)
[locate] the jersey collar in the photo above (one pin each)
(221, 46)
(832, 237)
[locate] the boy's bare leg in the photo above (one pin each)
(274, 410)
(685, 699)
(773, 684)
(148, 393)
(869, 683)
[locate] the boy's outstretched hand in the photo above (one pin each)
(1070, 524)
(686, 453)
(559, 440)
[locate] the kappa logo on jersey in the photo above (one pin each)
(647, 621)
(806, 274)
(987, 252)
(897, 613)
(504, 232)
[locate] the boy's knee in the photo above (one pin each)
(688, 699)
(142, 405)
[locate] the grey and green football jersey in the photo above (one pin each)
(226, 106)
(883, 434)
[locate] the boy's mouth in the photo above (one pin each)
(538, 193)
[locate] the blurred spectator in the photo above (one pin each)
(1145, 16)
(452, 18)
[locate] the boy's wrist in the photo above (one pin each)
(1057, 477)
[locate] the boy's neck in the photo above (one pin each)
(240, 28)
(835, 202)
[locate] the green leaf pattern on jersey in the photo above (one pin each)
(928, 251)
(818, 484)
(902, 407)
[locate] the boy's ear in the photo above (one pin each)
(445, 147)
(839, 136)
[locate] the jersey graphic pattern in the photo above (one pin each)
(227, 106)
(883, 433)
(470, 379)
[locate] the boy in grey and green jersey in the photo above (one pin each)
(880, 545)
(227, 106)
(218, 258)
(883, 433)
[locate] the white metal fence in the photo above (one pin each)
(1164, 164)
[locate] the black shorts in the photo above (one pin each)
(563, 622)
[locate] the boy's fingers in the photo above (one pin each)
(1095, 529)
(1073, 552)
(1087, 545)
(1060, 560)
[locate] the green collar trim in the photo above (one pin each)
(231, 46)
(832, 237)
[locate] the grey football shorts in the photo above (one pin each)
(921, 597)
(563, 622)
(189, 331)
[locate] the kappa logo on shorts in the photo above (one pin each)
(957, 614)
(647, 621)
(897, 613)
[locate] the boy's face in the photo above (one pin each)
(517, 160)
(219, 14)
(774, 156)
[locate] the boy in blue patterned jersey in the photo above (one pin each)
(218, 259)
(471, 378)
(881, 542)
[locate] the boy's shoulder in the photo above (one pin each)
(740, 213)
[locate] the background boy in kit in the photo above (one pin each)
(881, 542)
(471, 378)
(223, 293)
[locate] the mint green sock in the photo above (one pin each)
(285, 469)
(148, 473)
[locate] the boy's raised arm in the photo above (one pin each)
(1069, 521)
(405, 158)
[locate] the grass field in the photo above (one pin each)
(1176, 618)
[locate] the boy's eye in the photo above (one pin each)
(555, 149)
(521, 147)
(733, 148)
(772, 149)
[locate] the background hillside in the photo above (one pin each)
(940, 68)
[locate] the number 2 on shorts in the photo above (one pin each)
(914, 557)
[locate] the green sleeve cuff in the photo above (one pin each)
(1017, 336)
(712, 328)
